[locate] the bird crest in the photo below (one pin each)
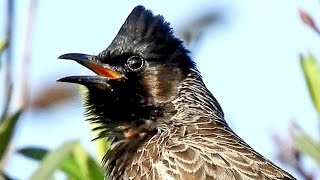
(145, 32)
(143, 24)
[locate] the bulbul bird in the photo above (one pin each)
(149, 99)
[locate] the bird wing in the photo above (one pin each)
(206, 150)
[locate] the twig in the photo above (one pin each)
(27, 54)
(8, 85)
(308, 20)
(289, 154)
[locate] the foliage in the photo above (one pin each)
(312, 75)
(308, 146)
(3, 45)
(70, 158)
(7, 127)
(304, 143)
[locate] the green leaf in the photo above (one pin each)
(33, 152)
(68, 166)
(7, 127)
(312, 75)
(53, 161)
(88, 166)
(96, 171)
(3, 46)
(308, 146)
(79, 165)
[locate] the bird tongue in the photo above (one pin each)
(102, 71)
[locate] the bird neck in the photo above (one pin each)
(195, 100)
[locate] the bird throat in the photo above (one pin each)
(132, 133)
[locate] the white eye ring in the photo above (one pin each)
(135, 63)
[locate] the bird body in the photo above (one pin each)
(149, 99)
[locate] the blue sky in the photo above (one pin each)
(249, 62)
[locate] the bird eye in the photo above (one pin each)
(135, 63)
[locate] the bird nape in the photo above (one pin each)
(149, 99)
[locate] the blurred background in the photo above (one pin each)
(250, 54)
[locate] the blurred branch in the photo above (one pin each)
(308, 20)
(193, 30)
(288, 153)
(51, 95)
(27, 54)
(302, 145)
(8, 64)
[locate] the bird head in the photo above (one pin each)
(137, 75)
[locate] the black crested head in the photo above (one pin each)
(144, 79)
(138, 76)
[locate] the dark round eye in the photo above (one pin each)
(135, 63)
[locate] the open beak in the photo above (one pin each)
(104, 71)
